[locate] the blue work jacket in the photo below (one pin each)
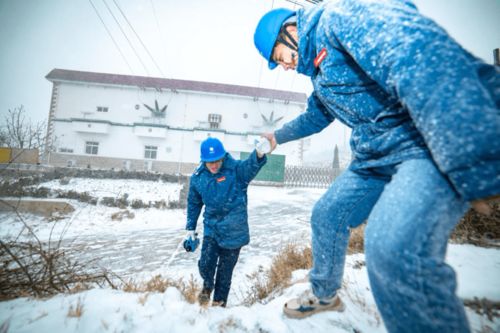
(406, 89)
(224, 196)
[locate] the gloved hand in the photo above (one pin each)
(191, 241)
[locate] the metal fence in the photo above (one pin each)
(320, 177)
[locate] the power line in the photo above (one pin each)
(302, 2)
(111, 36)
(126, 37)
(159, 29)
(138, 37)
(262, 60)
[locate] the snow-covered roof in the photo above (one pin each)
(58, 75)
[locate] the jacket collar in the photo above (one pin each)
(228, 163)
(307, 22)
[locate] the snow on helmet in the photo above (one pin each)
(211, 149)
(267, 32)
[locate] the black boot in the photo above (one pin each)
(204, 296)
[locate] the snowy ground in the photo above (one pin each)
(147, 245)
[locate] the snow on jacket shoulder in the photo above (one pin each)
(224, 196)
(405, 88)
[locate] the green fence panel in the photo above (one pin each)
(273, 170)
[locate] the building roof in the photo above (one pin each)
(58, 75)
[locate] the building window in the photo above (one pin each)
(150, 152)
(214, 119)
(91, 147)
(102, 109)
(65, 150)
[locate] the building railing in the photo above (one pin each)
(318, 177)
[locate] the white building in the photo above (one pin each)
(143, 123)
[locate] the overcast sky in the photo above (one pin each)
(190, 39)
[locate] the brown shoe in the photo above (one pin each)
(308, 304)
(222, 304)
(204, 296)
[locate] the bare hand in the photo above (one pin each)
(482, 206)
(272, 140)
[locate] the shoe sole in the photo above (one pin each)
(294, 314)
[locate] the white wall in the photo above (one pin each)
(125, 138)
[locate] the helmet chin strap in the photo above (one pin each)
(293, 46)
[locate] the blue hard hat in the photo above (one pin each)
(267, 32)
(211, 149)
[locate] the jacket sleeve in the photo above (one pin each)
(249, 168)
(314, 120)
(194, 206)
(442, 86)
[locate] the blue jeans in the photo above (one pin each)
(219, 262)
(411, 210)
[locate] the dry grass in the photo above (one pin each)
(478, 229)
(356, 241)
(77, 311)
(189, 289)
(118, 216)
(265, 283)
(228, 325)
(291, 257)
(142, 299)
(473, 228)
(484, 307)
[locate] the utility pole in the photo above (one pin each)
(336, 163)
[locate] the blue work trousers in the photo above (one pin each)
(411, 210)
(217, 262)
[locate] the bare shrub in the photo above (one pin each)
(483, 307)
(160, 204)
(118, 216)
(473, 228)
(108, 201)
(41, 269)
(122, 201)
(36, 269)
(138, 203)
(265, 283)
(18, 132)
(175, 205)
(189, 289)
